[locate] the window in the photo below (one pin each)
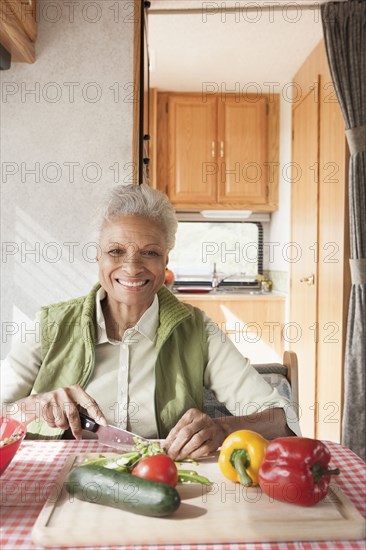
(235, 248)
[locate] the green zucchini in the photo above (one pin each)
(94, 483)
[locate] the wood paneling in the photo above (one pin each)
(334, 276)
(253, 323)
(330, 250)
(304, 224)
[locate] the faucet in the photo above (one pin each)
(215, 280)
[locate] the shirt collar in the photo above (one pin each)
(147, 325)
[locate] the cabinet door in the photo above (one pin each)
(192, 130)
(243, 167)
(304, 213)
(254, 325)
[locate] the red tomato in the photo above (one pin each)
(157, 468)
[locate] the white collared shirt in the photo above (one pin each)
(129, 403)
(123, 380)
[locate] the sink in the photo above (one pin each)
(218, 290)
(236, 290)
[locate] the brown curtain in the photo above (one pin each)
(344, 27)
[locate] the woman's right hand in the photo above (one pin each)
(59, 408)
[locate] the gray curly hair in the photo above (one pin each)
(141, 200)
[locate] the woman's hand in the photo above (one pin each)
(195, 435)
(58, 408)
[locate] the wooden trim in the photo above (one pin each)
(162, 142)
(333, 232)
(189, 207)
(264, 7)
(153, 137)
(317, 95)
(306, 77)
(273, 150)
(136, 80)
(290, 361)
(304, 203)
(25, 13)
(14, 38)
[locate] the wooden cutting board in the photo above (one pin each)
(223, 513)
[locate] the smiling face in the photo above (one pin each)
(132, 260)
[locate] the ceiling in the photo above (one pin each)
(232, 50)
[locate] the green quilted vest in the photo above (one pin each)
(68, 332)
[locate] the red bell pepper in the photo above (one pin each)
(295, 469)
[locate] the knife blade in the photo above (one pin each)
(109, 435)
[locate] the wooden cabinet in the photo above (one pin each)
(320, 281)
(218, 152)
(242, 151)
(18, 29)
(192, 143)
(254, 323)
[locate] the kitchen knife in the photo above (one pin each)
(109, 435)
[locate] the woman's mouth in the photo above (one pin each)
(132, 284)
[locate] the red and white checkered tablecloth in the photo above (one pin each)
(31, 476)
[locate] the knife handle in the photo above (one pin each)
(87, 423)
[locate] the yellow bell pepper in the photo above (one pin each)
(241, 456)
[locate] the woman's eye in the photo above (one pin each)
(115, 252)
(150, 253)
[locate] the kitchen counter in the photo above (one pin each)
(231, 295)
(255, 323)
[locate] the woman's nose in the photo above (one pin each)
(132, 262)
(132, 266)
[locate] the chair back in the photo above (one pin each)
(282, 376)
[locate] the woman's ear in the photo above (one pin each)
(98, 253)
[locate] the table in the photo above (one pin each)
(29, 479)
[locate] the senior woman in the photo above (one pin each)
(131, 353)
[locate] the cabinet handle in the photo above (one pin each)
(213, 152)
(308, 280)
(221, 149)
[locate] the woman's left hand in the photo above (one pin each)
(195, 435)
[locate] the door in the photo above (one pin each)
(192, 130)
(243, 155)
(301, 332)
